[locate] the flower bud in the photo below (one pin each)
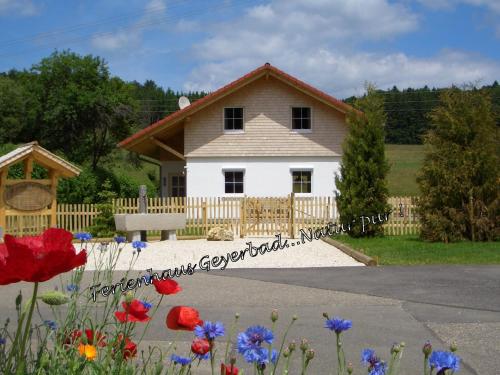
(453, 347)
(295, 317)
(274, 315)
(237, 316)
(54, 298)
(310, 354)
(427, 349)
(286, 353)
(395, 348)
(304, 345)
(350, 369)
(129, 297)
(325, 315)
(292, 346)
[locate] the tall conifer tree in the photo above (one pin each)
(460, 181)
(362, 183)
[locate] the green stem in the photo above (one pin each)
(149, 321)
(340, 356)
(27, 327)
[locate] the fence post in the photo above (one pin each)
(243, 216)
(204, 216)
(291, 224)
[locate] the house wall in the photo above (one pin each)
(267, 107)
(263, 176)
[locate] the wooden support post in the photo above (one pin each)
(243, 216)
(292, 216)
(28, 168)
(53, 206)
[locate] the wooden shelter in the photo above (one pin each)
(28, 196)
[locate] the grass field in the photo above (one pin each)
(405, 161)
(409, 250)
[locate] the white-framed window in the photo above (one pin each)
(177, 185)
(302, 181)
(233, 119)
(301, 118)
(233, 181)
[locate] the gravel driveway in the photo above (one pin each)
(170, 254)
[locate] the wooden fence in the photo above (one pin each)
(244, 216)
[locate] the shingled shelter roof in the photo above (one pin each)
(41, 156)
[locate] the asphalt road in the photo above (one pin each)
(386, 305)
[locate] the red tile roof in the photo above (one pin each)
(266, 68)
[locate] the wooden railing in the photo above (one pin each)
(244, 216)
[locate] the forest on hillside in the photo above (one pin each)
(73, 106)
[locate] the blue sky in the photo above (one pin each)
(335, 45)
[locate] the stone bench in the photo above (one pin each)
(133, 224)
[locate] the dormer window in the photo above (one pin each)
(233, 119)
(301, 118)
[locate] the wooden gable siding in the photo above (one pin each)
(267, 105)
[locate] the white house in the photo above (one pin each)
(266, 134)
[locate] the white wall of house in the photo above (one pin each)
(167, 169)
(263, 176)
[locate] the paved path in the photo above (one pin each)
(377, 321)
(289, 254)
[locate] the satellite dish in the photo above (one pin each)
(183, 102)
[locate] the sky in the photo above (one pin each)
(335, 45)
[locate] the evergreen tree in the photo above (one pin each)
(362, 184)
(104, 222)
(460, 176)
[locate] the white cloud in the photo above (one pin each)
(320, 42)
(345, 74)
(131, 36)
(21, 7)
(442, 4)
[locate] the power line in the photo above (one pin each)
(163, 20)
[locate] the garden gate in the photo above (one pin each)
(266, 216)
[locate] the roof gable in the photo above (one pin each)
(266, 69)
(41, 156)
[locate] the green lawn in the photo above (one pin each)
(405, 161)
(409, 250)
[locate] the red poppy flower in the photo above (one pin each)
(226, 369)
(166, 286)
(183, 318)
(135, 311)
(130, 348)
(200, 346)
(38, 258)
(76, 335)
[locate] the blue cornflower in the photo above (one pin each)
(378, 368)
(120, 239)
(368, 357)
(209, 330)
(250, 341)
(442, 361)
(146, 305)
(72, 288)
(183, 361)
(2, 341)
(375, 365)
(139, 245)
(50, 324)
(83, 236)
(338, 325)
